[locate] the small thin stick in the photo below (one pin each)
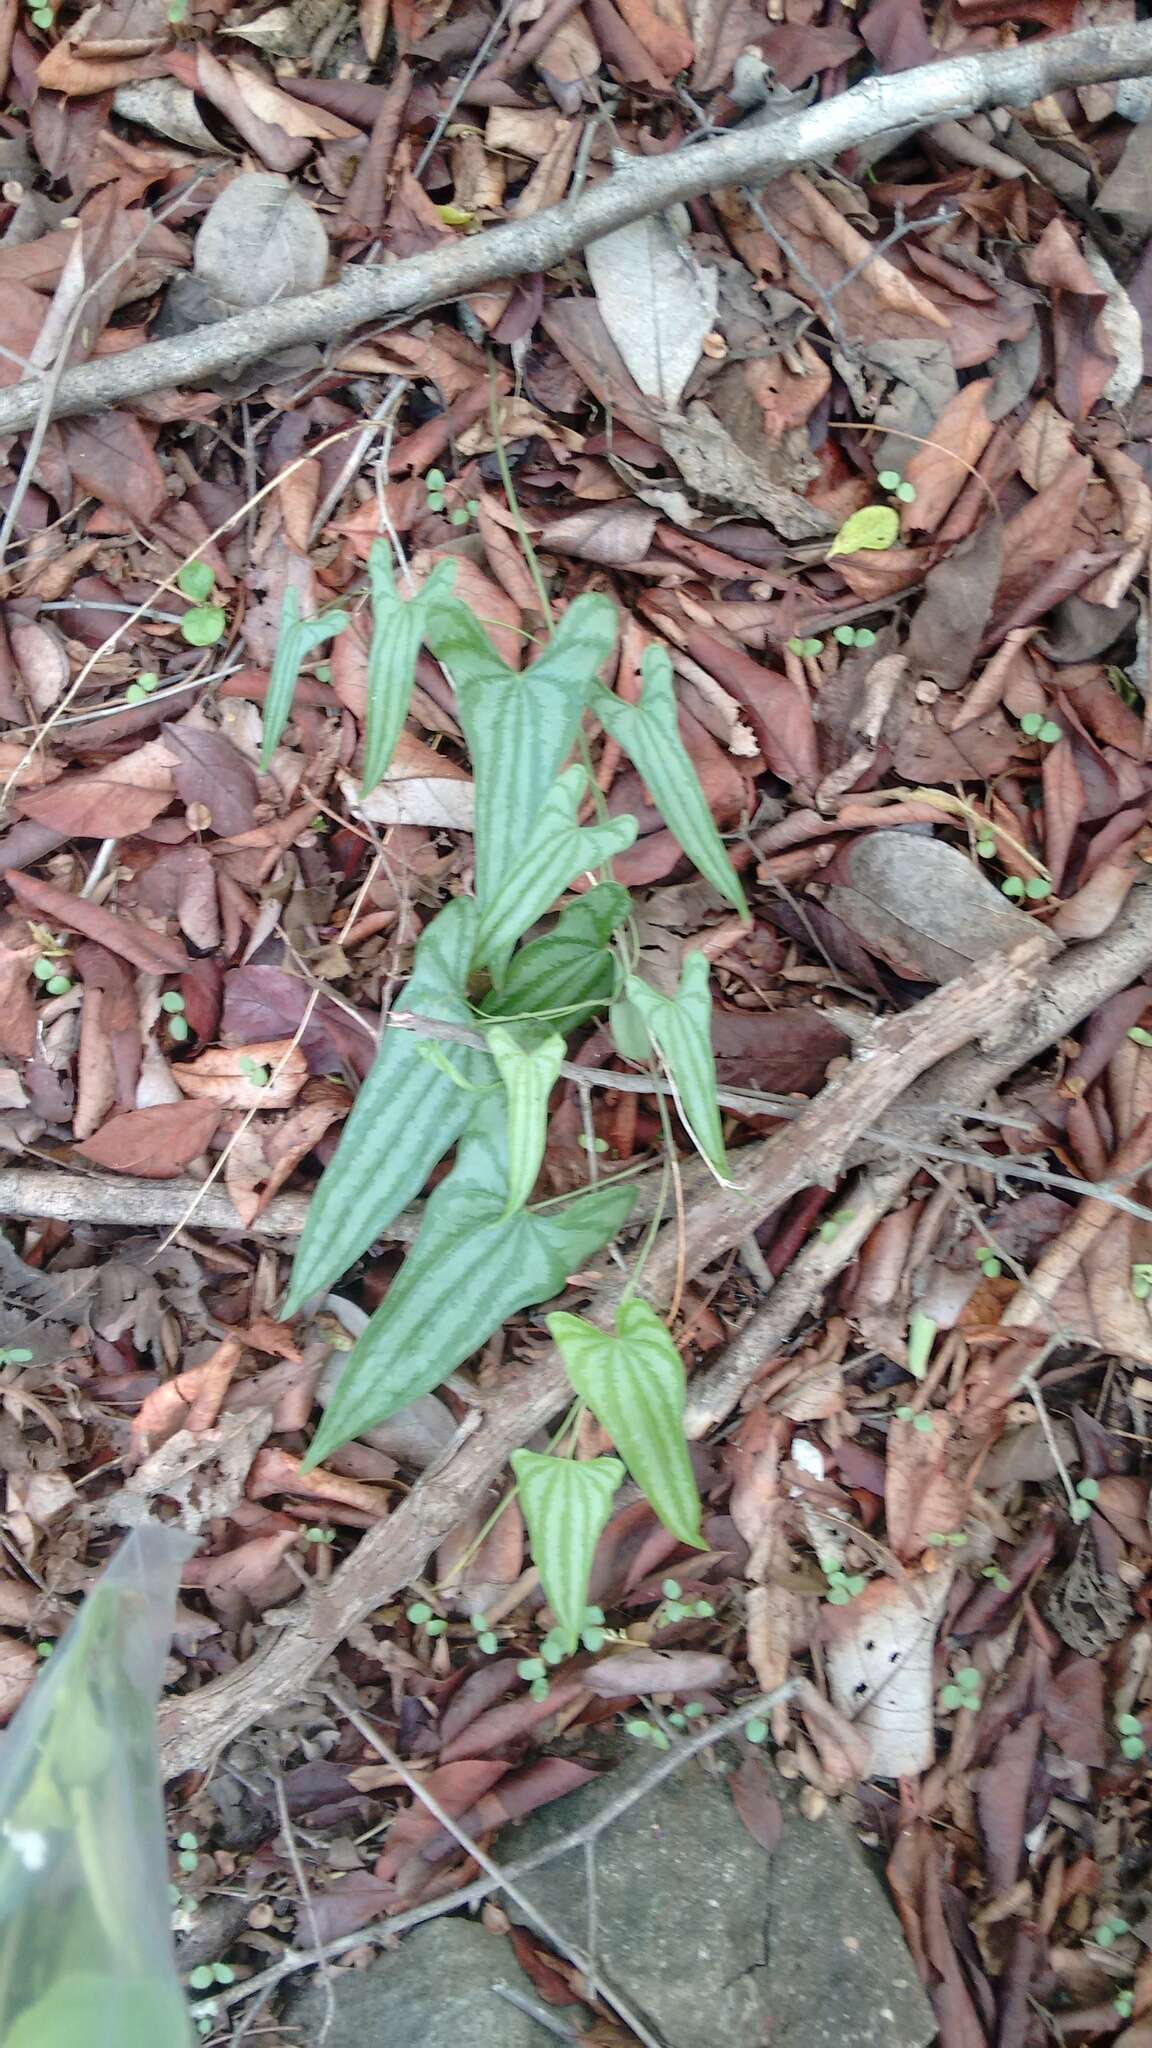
(309, 1909)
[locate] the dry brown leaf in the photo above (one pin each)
(939, 471)
(277, 1471)
(153, 951)
(19, 1664)
(156, 1143)
(922, 1495)
(115, 801)
(267, 1075)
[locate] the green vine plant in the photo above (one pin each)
(485, 1250)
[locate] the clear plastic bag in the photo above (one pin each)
(85, 1914)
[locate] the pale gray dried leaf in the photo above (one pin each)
(922, 906)
(205, 1471)
(167, 108)
(903, 383)
(641, 1671)
(445, 803)
(714, 466)
(880, 1650)
(1121, 322)
(1088, 1609)
(260, 241)
(656, 301)
(1127, 192)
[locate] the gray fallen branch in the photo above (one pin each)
(947, 91)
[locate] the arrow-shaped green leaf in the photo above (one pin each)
(297, 640)
(634, 1383)
(397, 630)
(566, 1505)
(681, 1027)
(569, 973)
(550, 857)
(528, 1075)
(406, 1116)
(521, 728)
(472, 1265)
(649, 733)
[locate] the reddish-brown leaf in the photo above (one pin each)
(114, 458)
(777, 710)
(152, 951)
(756, 1802)
(157, 1143)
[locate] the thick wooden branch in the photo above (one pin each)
(950, 90)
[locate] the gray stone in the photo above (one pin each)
(434, 1991)
(717, 1943)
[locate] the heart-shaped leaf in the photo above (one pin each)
(634, 1383)
(649, 733)
(566, 1505)
(681, 1028)
(520, 729)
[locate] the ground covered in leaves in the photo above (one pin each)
(869, 453)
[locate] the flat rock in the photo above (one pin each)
(434, 1991)
(718, 1943)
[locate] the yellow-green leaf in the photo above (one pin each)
(875, 526)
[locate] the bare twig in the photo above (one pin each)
(307, 1907)
(949, 90)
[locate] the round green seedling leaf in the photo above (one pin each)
(889, 479)
(204, 626)
(195, 580)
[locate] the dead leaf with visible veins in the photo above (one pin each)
(267, 1075)
(880, 1651)
(156, 1143)
(114, 801)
